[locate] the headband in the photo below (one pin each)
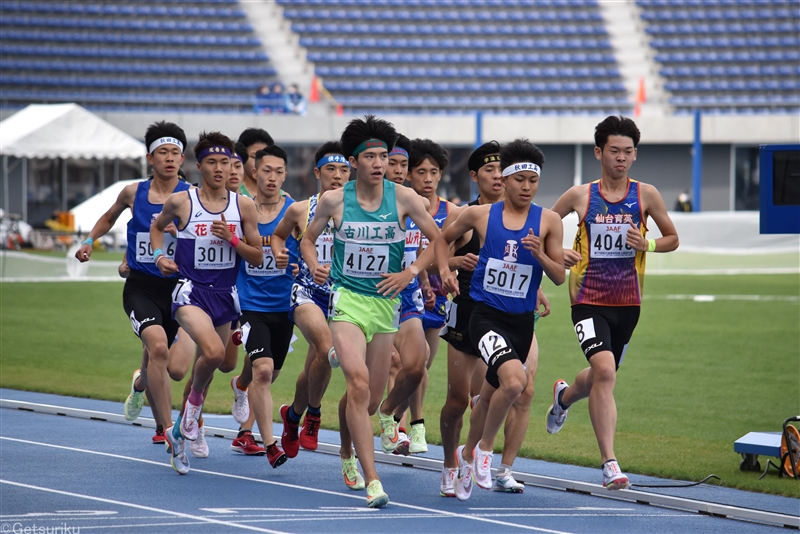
(369, 143)
(332, 158)
(164, 141)
(213, 150)
(519, 167)
(490, 159)
(235, 155)
(399, 151)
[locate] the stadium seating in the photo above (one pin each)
(727, 56)
(193, 55)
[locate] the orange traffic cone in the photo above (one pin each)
(313, 94)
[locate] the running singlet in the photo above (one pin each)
(324, 250)
(609, 273)
(507, 277)
(367, 244)
(265, 288)
(442, 211)
(464, 277)
(202, 257)
(140, 251)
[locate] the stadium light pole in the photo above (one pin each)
(697, 163)
(473, 187)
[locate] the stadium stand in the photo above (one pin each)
(451, 56)
(727, 56)
(195, 55)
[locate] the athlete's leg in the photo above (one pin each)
(231, 355)
(411, 342)
(519, 415)
(314, 327)
(181, 356)
(210, 342)
(264, 374)
(154, 339)
(460, 367)
(418, 397)
(346, 448)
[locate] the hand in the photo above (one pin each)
(321, 273)
(84, 253)
(450, 282)
(393, 283)
(282, 258)
(171, 229)
(430, 297)
(295, 269)
(532, 243)
(571, 257)
(124, 269)
(221, 230)
(166, 266)
(635, 240)
(469, 262)
(542, 300)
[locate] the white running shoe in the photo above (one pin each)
(189, 422)
(177, 447)
(333, 360)
(241, 403)
(403, 444)
(613, 477)
(199, 447)
(505, 482)
(482, 467)
(556, 415)
(463, 485)
(418, 442)
(447, 483)
(135, 401)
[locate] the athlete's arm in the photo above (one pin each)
(289, 225)
(654, 207)
(468, 262)
(542, 301)
(465, 222)
(106, 221)
(170, 211)
(563, 207)
(548, 249)
(330, 205)
(435, 267)
(250, 251)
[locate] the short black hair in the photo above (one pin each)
(403, 142)
(241, 150)
(251, 136)
(208, 139)
(331, 147)
(520, 151)
(370, 127)
(615, 125)
(273, 150)
(478, 157)
(160, 129)
(422, 149)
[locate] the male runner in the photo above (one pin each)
(146, 296)
(519, 241)
(253, 140)
(606, 279)
(368, 215)
(207, 257)
(309, 304)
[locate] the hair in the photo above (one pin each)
(331, 147)
(208, 139)
(403, 142)
(160, 129)
(370, 127)
(422, 149)
(251, 136)
(520, 151)
(242, 151)
(615, 125)
(273, 150)
(475, 161)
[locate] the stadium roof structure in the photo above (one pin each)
(64, 131)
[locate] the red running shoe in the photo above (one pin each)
(159, 438)
(289, 439)
(275, 455)
(308, 437)
(247, 445)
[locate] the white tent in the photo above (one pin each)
(87, 212)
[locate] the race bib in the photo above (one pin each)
(324, 249)
(409, 257)
(492, 345)
(507, 279)
(213, 254)
(609, 241)
(267, 267)
(144, 250)
(366, 261)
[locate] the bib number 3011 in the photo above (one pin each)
(213, 254)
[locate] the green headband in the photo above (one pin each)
(369, 143)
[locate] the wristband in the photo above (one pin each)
(89, 241)
(156, 253)
(651, 245)
(234, 241)
(158, 258)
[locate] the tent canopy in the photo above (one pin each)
(87, 212)
(64, 131)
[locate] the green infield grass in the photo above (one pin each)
(696, 376)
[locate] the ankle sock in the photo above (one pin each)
(195, 398)
(418, 422)
(292, 416)
(239, 386)
(397, 419)
(560, 403)
(311, 410)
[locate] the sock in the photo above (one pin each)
(242, 432)
(504, 467)
(418, 422)
(160, 428)
(292, 416)
(561, 394)
(137, 390)
(239, 386)
(195, 398)
(397, 419)
(401, 429)
(314, 411)
(176, 429)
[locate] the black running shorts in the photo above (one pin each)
(499, 337)
(147, 300)
(267, 335)
(456, 328)
(604, 328)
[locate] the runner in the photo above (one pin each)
(253, 140)
(368, 215)
(207, 257)
(611, 245)
(309, 304)
(519, 241)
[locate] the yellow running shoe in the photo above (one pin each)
(376, 497)
(352, 478)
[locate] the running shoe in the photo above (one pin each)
(613, 477)
(333, 360)
(199, 447)
(190, 427)
(241, 404)
(246, 444)
(473, 401)
(376, 497)
(309, 436)
(389, 431)
(403, 444)
(352, 478)
(236, 337)
(556, 415)
(158, 437)
(463, 485)
(135, 400)
(275, 455)
(505, 482)
(418, 443)
(289, 438)
(482, 467)
(447, 482)
(176, 447)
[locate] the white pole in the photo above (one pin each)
(25, 189)
(5, 185)
(64, 184)
(577, 178)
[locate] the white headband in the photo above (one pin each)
(519, 167)
(164, 141)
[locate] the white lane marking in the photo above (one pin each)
(710, 298)
(140, 507)
(285, 485)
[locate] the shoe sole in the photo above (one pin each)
(508, 490)
(279, 462)
(618, 485)
(129, 416)
(550, 409)
(378, 502)
(417, 450)
(240, 451)
(200, 455)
